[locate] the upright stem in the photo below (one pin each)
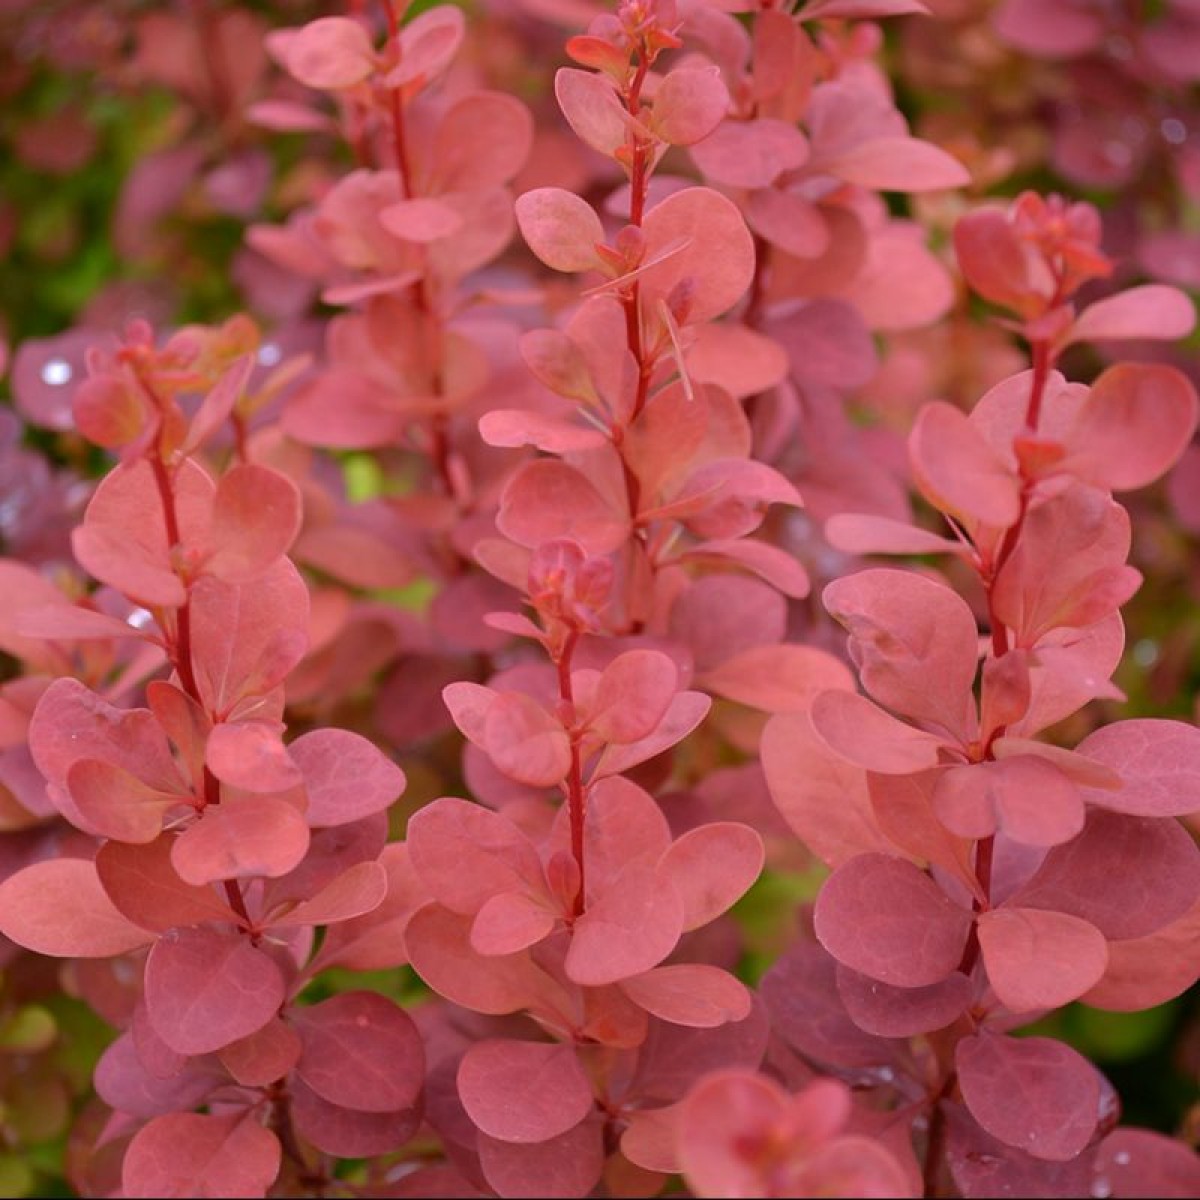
(576, 799)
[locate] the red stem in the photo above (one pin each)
(576, 798)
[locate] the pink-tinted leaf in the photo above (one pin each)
(560, 228)
(547, 500)
(778, 679)
(691, 994)
(1159, 764)
(525, 741)
(439, 947)
(117, 804)
(348, 1132)
(958, 471)
(123, 1082)
(890, 1011)
(1150, 311)
(511, 921)
(523, 427)
(629, 929)
(700, 218)
(58, 907)
(781, 570)
(1135, 424)
(428, 44)
(330, 53)
(523, 1092)
(346, 776)
(255, 518)
(1144, 972)
(466, 854)
(142, 882)
(360, 1051)
(740, 360)
(206, 988)
(201, 1155)
(1158, 882)
(1138, 1162)
(250, 755)
(915, 940)
(863, 734)
(566, 1166)
(896, 164)
(860, 10)
(483, 140)
(788, 220)
(632, 695)
(992, 257)
(821, 796)
(685, 712)
(263, 1057)
(1033, 1093)
(711, 868)
(1040, 959)
(623, 827)
(357, 891)
(592, 109)
(421, 219)
(864, 533)
(688, 105)
(242, 838)
(218, 404)
(750, 154)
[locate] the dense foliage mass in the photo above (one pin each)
(599, 601)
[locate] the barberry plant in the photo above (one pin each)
(560, 712)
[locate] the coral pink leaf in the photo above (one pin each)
(545, 500)
(859, 10)
(632, 927)
(712, 867)
(524, 427)
(346, 776)
(263, 1057)
(992, 258)
(359, 890)
(439, 947)
(1159, 764)
(218, 404)
(251, 755)
(914, 940)
(863, 734)
(242, 839)
(592, 109)
(59, 907)
(1135, 424)
(523, 1091)
(526, 742)
(623, 827)
(428, 44)
(109, 413)
(685, 712)
(701, 218)
(142, 882)
(821, 796)
(866, 533)
(360, 1051)
(117, 804)
(330, 53)
(284, 116)
(777, 566)
(750, 154)
(790, 221)
(778, 679)
(206, 988)
(888, 1011)
(897, 164)
(958, 471)
(726, 1111)
(1033, 1093)
(560, 228)
(740, 360)
(483, 140)
(632, 696)
(256, 516)
(567, 1166)
(1057, 30)
(197, 1154)
(692, 994)
(1144, 972)
(348, 1132)
(421, 219)
(1158, 882)
(1139, 1162)
(466, 854)
(1040, 959)
(511, 921)
(1150, 311)
(688, 105)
